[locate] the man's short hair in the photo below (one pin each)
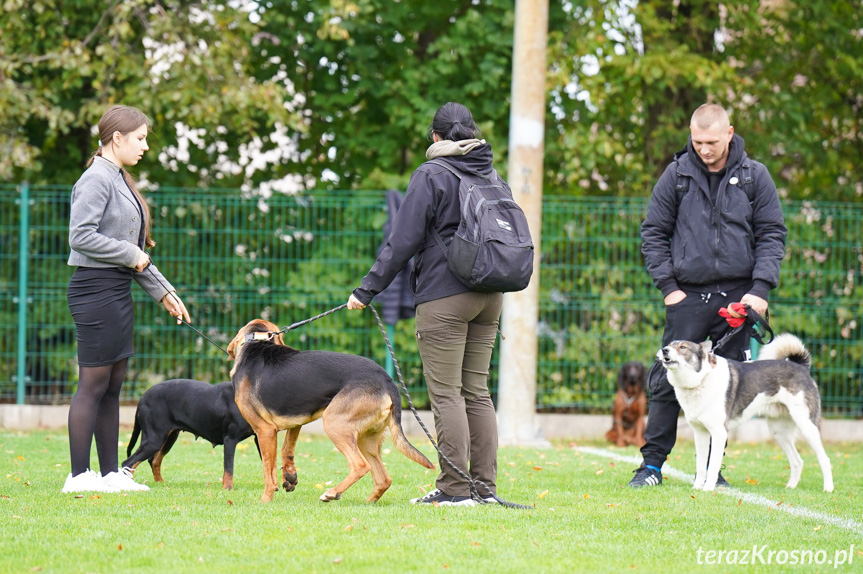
(709, 114)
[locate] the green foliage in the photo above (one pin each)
(62, 64)
(340, 93)
(373, 72)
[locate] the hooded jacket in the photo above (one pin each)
(717, 241)
(431, 201)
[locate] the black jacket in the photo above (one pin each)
(712, 244)
(431, 200)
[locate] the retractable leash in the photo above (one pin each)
(740, 316)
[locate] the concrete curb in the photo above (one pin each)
(551, 426)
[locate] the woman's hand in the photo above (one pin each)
(175, 307)
(143, 261)
(354, 303)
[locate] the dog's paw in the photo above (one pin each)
(330, 495)
(290, 482)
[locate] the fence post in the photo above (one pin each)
(23, 299)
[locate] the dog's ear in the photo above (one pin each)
(706, 348)
(232, 347)
(279, 339)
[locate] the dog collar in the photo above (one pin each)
(258, 336)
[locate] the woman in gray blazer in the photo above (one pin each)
(109, 229)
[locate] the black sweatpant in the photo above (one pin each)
(696, 319)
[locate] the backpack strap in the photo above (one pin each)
(681, 186)
(748, 181)
(438, 239)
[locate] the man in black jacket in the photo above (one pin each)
(713, 235)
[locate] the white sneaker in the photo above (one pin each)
(122, 480)
(87, 481)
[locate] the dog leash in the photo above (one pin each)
(180, 319)
(473, 483)
(740, 316)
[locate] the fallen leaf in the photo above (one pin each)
(537, 468)
(337, 560)
(120, 547)
(739, 502)
(586, 496)
(406, 526)
(543, 493)
(230, 502)
(817, 528)
(600, 471)
(348, 528)
(475, 544)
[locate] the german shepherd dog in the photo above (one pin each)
(279, 388)
(717, 394)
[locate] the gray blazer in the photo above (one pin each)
(105, 226)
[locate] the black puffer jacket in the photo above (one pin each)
(431, 201)
(714, 244)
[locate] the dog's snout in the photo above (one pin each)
(665, 352)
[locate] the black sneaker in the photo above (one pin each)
(645, 477)
(438, 498)
(721, 482)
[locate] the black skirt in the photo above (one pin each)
(101, 304)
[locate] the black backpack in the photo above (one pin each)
(491, 250)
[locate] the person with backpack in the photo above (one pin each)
(456, 319)
(714, 235)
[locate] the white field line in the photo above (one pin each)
(845, 523)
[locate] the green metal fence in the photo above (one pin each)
(235, 255)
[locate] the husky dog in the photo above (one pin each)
(717, 394)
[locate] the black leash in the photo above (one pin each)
(759, 329)
(179, 318)
(309, 320)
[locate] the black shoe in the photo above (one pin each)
(645, 477)
(721, 482)
(439, 498)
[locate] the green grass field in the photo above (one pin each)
(585, 518)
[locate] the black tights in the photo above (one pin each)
(95, 411)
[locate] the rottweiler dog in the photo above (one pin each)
(279, 388)
(200, 408)
(630, 406)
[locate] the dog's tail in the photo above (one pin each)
(401, 441)
(786, 346)
(135, 432)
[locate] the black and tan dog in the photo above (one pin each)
(197, 407)
(280, 388)
(630, 406)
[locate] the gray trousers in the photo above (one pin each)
(455, 337)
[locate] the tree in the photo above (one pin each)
(627, 76)
(62, 63)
